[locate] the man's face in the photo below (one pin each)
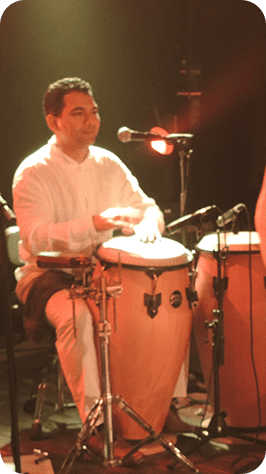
(79, 123)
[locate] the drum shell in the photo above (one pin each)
(146, 353)
(238, 392)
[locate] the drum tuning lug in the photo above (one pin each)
(206, 340)
(219, 286)
(152, 302)
(192, 296)
(209, 325)
(114, 290)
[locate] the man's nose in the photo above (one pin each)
(87, 118)
(91, 120)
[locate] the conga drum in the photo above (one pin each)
(151, 334)
(244, 306)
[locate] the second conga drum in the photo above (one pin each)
(243, 374)
(151, 333)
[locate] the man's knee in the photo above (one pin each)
(61, 310)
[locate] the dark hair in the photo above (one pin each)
(53, 101)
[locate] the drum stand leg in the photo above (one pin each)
(104, 406)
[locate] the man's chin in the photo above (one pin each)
(87, 141)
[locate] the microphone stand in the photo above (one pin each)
(180, 141)
(217, 424)
(7, 214)
(184, 172)
(183, 187)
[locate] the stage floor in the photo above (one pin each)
(224, 455)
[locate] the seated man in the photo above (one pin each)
(69, 196)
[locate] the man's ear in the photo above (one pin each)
(51, 121)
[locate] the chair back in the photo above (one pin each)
(12, 241)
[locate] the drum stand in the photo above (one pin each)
(217, 427)
(105, 403)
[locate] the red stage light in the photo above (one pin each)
(161, 146)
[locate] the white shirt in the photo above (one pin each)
(54, 199)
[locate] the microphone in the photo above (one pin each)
(230, 215)
(126, 135)
(173, 227)
(7, 211)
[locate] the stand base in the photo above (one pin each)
(107, 456)
(218, 429)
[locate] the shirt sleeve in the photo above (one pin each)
(35, 218)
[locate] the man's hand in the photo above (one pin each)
(118, 218)
(130, 221)
(147, 230)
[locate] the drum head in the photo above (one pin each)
(235, 242)
(131, 251)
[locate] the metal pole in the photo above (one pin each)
(6, 311)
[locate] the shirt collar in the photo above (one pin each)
(59, 154)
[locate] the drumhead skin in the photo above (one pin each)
(236, 243)
(244, 308)
(131, 251)
(146, 353)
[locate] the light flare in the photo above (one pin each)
(161, 146)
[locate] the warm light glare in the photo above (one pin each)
(161, 146)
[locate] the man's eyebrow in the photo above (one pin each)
(79, 108)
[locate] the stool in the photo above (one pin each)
(35, 402)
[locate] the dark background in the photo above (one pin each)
(139, 55)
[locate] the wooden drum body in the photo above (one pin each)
(243, 329)
(146, 351)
